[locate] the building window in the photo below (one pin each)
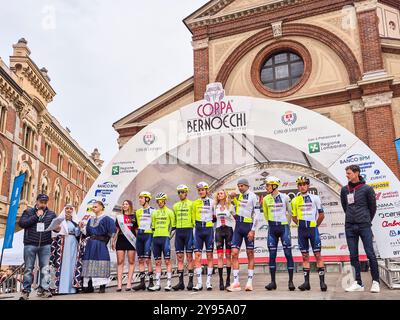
(44, 188)
(3, 114)
(28, 137)
(26, 188)
(282, 71)
(59, 163)
(78, 177)
(69, 170)
(281, 68)
(47, 152)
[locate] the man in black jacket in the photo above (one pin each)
(359, 203)
(37, 241)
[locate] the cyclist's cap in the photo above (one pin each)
(244, 181)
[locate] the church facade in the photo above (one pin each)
(339, 58)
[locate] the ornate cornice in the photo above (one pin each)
(211, 16)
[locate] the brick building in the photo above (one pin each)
(33, 141)
(340, 58)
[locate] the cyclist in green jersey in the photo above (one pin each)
(184, 236)
(163, 222)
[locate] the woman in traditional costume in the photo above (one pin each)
(96, 264)
(64, 251)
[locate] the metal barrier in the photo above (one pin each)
(389, 271)
(13, 283)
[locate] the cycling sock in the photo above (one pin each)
(158, 278)
(306, 274)
(235, 276)
(250, 274)
(209, 274)
(180, 272)
(272, 271)
(220, 272)
(290, 274)
(321, 272)
(228, 272)
(169, 276)
(198, 275)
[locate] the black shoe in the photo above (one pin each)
(291, 286)
(179, 286)
(118, 290)
(190, 284)
(88, 290)
(140, 286)
(305, 286)
(128, 289)
(102, 288)
(324, 287)
(271, 286)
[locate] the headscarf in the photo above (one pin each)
(64, 224)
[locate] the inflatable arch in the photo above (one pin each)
(325, 145)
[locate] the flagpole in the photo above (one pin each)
(2, 253)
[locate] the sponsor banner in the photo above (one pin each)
(386, 186)
(320, 138)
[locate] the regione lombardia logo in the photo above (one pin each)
(289, 118)
(149, 138)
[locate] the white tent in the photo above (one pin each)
(15, 255)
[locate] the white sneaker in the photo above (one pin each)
(355, 287)
(209, 286)
(155, 288)
(375, 288)
(168, 287)
(198, 287)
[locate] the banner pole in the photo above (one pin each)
(1, 258)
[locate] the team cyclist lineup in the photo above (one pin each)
(228, 220)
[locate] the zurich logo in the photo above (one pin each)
(377, 172)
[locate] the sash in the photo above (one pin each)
(125, 230)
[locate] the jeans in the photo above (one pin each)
(353, 233)
(30, 253)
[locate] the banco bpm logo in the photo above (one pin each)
(314, 147)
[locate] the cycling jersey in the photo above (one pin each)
(183, 214)
(144, 219)
(162, 222)
(306, 208)
(276, 209)
(224, 217)
(248, 207)
(203, 211)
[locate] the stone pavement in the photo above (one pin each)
(333, 280)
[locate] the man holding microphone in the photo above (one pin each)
(37, 242)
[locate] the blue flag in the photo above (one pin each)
(397, 142)
(12, 213)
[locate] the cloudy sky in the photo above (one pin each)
(105, 58)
